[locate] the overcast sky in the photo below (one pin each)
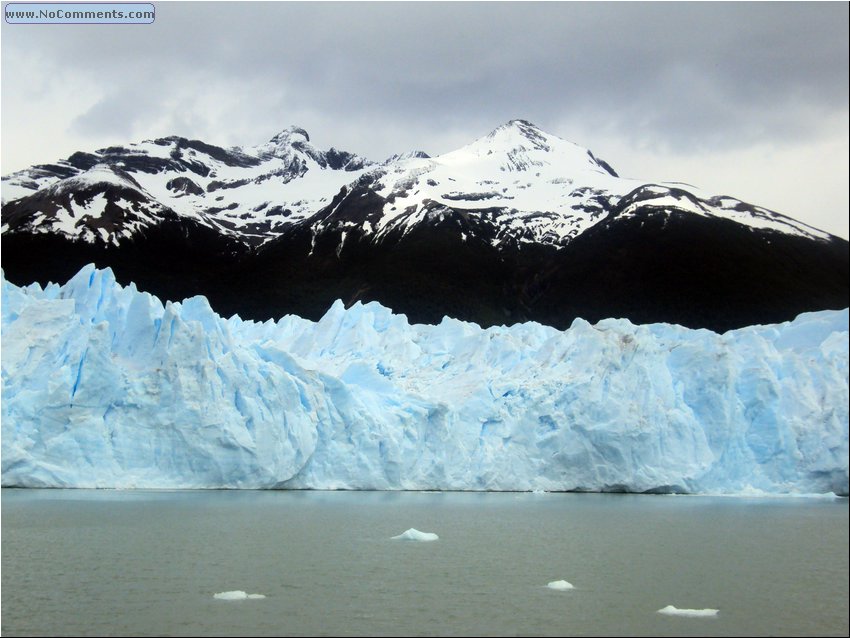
(749, 100)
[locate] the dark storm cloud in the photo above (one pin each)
(686, 75)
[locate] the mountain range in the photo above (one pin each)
(519, 225)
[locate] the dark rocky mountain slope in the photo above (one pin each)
(519, 225)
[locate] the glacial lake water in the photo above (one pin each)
(149, 563)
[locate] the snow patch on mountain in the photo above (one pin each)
(101, 204)
(663, 199)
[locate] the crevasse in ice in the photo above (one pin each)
(104, 386)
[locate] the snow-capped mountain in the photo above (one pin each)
(248, 194)
(517, 225)
(528, 186)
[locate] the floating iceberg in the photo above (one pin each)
(560, 585)
(416, 535)
(237, 595)
(106, 386)
(670, 610)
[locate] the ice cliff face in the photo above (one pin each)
(104, 386)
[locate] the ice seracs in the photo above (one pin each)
(106, 386)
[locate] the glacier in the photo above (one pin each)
(105, 386)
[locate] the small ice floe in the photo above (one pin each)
(416, 535)
(236, 595)
(560, 585)
(670, 610)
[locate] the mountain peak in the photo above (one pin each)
(282, 144)
(400, 157)
(516, 133)
(290, 134)
(523, 125)
(522, 128)
(519, 145)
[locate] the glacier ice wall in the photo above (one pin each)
(104, 386)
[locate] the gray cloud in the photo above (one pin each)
(695, 71)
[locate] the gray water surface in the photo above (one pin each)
(149, 562)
